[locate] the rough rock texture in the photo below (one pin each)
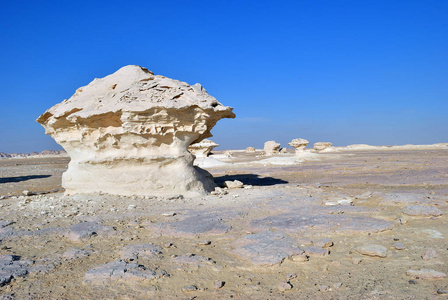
(203, 148)
(299, 145)
(422, 210)
(128, 134)
(319, 146)
(250, 149)
(271, 148)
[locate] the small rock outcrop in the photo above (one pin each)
(299, 145)
(250, 150)
(203, 148)
(319, 146)
(128, 134)
(271, 148)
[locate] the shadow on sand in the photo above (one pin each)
(22, 178)
(249, 179)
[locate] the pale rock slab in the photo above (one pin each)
(299, 145)
(128, 134)
(319, 146)
(373, 250)
(426, 274)
(422, 210)
(203, 148)
(271, 148)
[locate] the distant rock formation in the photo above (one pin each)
(203, 148)
(45, 153)
(319, 146)
(271, 148)
(299, 145)
(250, 149)
(128, 134)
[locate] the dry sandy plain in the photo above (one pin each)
(283, 236)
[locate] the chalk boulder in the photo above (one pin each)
(250, 150)
(271, 148)
(319, 146)
(203, 148)
(128, 134)
(299, 145)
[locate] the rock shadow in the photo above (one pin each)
(250, 179)
(22, 178)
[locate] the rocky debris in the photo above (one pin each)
(218, 285)
(425, 274)
(267, 248)
(121, 271)
(128, 134)
(193, 225)
(320, 146)
(399, 246)
(283, 150)
(284, 286)
(189, 288)
(236, 184)
(441, 292)
(343, 202)
(75, 253)
(192, 259)
(271, 148)
(296, 222)
(133, 252)
(429, 253)
(203, 148)
(372, 250)
(422, 210)
(219, 191)
(250, 149)
(314, 251)
(299, 145)
(204, 243)
(12, 266)
(323, 243)
(85, 230)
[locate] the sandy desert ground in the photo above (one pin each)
(352, 224)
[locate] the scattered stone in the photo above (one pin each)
(399, 246)
(130, 252)
(189, 288)
(236, 184)
(372, 250)
(339, 202)
(441, 292)
(85, 230)
(319, 146)
(267, 248)
(204, 243)
(75, 253)
(250, 149)
(412, 281)
(27, 193)
(429, 253)
(271, 148)
(284, 286)
(323, 243)
(121, 271)
(218, 285)
(291, 276)
(219, 191)
(324, 288)
(422, 210)
(314, 251)
(169, 214)
(128, 134)
(425, 274)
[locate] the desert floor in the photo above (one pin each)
(345, 225)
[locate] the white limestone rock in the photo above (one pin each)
(320, 146)
(299, 145)
(271, 148)
(203, 148)
(250, 150)
(128, 134)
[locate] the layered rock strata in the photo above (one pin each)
(128, 134)
(203, 148)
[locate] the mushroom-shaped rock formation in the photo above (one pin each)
(319, 146)
(250, 149)
(128, 134)
(203, 148)
(299, 144)
(271, 148)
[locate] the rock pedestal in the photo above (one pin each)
(203, 148)
(128, 134)
(299, 145)
(271, 148)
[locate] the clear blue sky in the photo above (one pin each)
(347, 72)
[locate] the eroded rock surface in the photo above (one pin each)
(203, 148)
(299, 145)
(271, 148)
(128, 134)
